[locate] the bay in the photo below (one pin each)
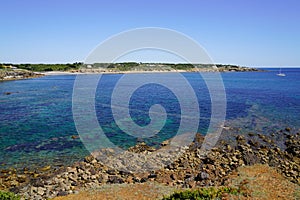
(36, 120)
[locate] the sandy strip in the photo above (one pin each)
(120, 72)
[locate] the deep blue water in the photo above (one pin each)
(36, 121)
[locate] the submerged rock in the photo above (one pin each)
(46, 168)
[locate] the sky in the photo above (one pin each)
(249, 33)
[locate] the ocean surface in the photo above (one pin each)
(37, 125)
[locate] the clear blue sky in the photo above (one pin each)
(252, 33)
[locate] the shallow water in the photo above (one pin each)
(36, 121)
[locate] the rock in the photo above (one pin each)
(129, 180)
(173, 176)
(84, 177)
(261, 136)
(288, 129)
(136, 179)
(165, 143)
(111, 172)
(40, 191)
(251, 134)
(115, 179)
(204, 175)
(253, 143)
(144, 179)
(37, 183)
(228, 148)
(103, 178)
(152, 175)
(192, 184)
(46, 168)
(71, 170)
(250, 159)
(74, 184)
(74, 137)
(198, 140)
(33, 190)
(272, 134)
(293, 146)
(14, 183)
(73, 177)
(141, 147)
(188, 175)
(22, 178)
(4, 171)
(208, 160)
(234, 159)
(93, 171)
(62, 193)
(290, 136)
(240, 139)
(89, 159)
(35, 175)
(294, 150)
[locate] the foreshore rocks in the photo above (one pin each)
(192, 169)
(17, 74)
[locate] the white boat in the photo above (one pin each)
(280, 73)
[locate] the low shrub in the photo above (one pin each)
(8, 196)
(203, 193)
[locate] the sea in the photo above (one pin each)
(37, 126)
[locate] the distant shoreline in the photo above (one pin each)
(24, 74)
(19, 74)
(25, 71)
(55, 73)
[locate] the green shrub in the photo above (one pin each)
(203, 194)
(8, 196)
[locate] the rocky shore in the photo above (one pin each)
(18, 74)
(190, 170)
(159, 68)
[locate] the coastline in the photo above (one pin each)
(82, 72)
(189, 171)
(24, 71)
(28, 74)
(55, 73)
(10, 75)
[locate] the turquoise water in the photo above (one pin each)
(36, 121)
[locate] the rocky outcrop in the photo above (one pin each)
(17, 74)
(192, 169)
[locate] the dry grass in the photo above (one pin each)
(264, 182)
(258, 181)
(123, 191)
